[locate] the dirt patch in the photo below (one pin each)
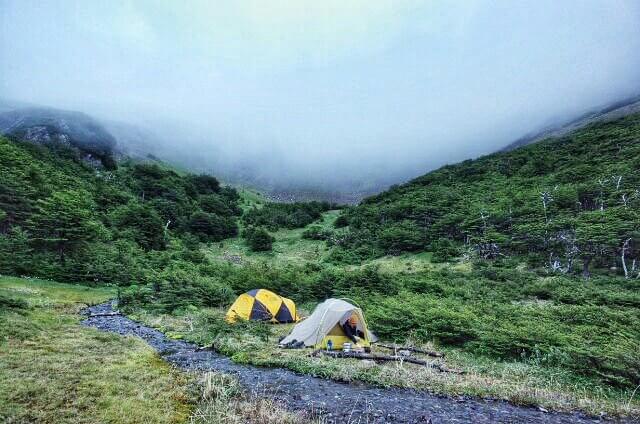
(336, 402)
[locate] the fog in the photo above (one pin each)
(333, 94)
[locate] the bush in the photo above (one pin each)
(422, 317)
(212, 227)
(403, 236)
(258, 239)
(316, 232)
(8, 302)
(361, 282)
(444, 250)
(177, 288)
(341, 221)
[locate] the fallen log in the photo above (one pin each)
(206, 347)
(105, 314)
(353, 355)
(412, 349)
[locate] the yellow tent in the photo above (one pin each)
(262, 305)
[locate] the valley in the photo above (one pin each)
(427, 269)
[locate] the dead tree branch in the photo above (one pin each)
(385, 358)
(412, 349)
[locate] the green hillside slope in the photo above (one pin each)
(60, 218)
(563, 203)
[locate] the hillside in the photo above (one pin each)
(569, 204)
(62, 218)
(611, 112)
(57, 127)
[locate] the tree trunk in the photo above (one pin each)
(61, 255)
(625, 247)
(585, 266)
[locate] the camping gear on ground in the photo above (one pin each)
(262, 305)
(436, 365)
(325, 325)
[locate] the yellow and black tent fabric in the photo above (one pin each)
(262, 305)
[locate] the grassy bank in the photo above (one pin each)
(52, 370)
(523, 382)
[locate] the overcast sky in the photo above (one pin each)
(350, 89)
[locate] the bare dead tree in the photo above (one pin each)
(488, 250)
(567, 239)
(546, 198)
(628, 197)
(554, 263)
(602, 182)
(618, 179)
(623, 252)
(625, 200)
(484, 218)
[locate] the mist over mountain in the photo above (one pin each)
(265, 170)
(607, 113)
(52, 126)
(320, 97)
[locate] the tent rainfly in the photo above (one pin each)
(262, 305)
(326, 323)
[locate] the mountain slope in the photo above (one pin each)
(608, 113)
(52, 126)
(555, 203)
(60, 218)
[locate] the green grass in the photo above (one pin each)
(250, 198)
(52, 370)
(288, 248)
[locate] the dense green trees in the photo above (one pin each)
(219, 205)
(60, 218)
(212, 227)
(568, 204)
(274, 216)
(141, 223)
(64, 222)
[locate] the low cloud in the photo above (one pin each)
(335, 95)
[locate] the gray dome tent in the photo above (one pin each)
(325, 323)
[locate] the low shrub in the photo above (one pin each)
(258, 239)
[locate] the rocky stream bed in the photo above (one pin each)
(337, 402)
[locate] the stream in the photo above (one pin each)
(336, 402)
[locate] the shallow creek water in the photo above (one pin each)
(337, 402)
